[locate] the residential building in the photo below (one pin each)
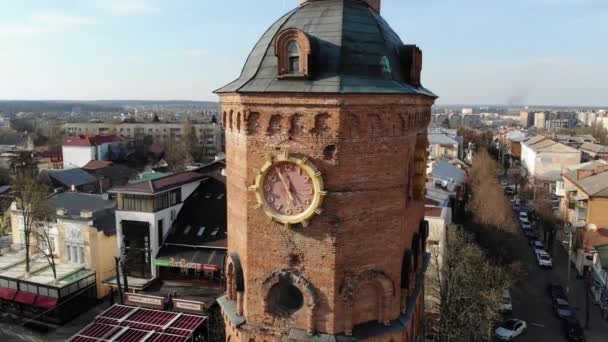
(210, 135)
(543, 160)
(109, 174)
(77, 152)
(526, 119)
(584, 206)
(539, 120)
(277, 274)
(75, 179)
(5, 122)
(82, 236)
(145, 212)
(444, 144)
(557, 124)
(599, 275)
(593, 151)
(575, 141)
(439, 217)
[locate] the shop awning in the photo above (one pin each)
(45, 302)
(208, 259)
(7, 294)
(25, 298)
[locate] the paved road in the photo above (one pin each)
(532, 303)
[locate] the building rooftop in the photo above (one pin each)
(444, 170)
(160, 184)
(74, 203)
(544, 144)
(94, 165)
(594, 148)
(595, 185)
(96, 140)
(127, 323)
(68, 177)
(354, 51)
(441, 139)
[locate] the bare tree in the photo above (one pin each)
(46, 244)
(191, 142)
(470, 289)
(176, 155)
(31, 200)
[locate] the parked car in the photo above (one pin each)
(531, 234)
(523, 215)
(506, 306)
(516, 207)
(524, 221)
(556, 291)
(543, 259)
(573, 330)
(509, 191)
(526, 226)
(510, 329)
(537, 245)
(561, 308)
(503, 182)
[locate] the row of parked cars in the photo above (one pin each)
(512, 328)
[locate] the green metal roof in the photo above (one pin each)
(353, 51)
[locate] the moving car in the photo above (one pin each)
(573, 330)
(543, 259)
(506, 306)
(510, 329)
(556, 291)
(561, 308)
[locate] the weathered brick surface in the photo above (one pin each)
(364, 146)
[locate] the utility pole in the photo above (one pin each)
(120, 296)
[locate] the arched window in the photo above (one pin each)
(293, 55)
(293, 50)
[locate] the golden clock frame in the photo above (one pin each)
(317, 181)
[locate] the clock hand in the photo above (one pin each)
(287, 188)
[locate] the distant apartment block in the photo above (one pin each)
(539, 120)
(526, 119)
(210, 135)
(5, 123)
(557, 124)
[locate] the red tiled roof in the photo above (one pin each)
(161, 184)
(433, 211)
(95, 140)
(97, 164)
(125, 323)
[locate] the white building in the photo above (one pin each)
(543, 159)
(77, 152)
(144, 215)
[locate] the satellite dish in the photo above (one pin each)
(451, 187)
(592, 226)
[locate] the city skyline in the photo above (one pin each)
(521, 52)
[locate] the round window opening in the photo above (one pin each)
(286, 299)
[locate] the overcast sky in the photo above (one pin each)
(475, 51)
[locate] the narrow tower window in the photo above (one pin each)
(293, 54)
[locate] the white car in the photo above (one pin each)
(504, 182)
(526, 225)
(523, 215)
(524, 221)
(510, 329)
(543, 259)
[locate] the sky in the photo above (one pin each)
(531, 52)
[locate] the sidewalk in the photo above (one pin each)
(598, 328)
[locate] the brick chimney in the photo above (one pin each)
(374, 4)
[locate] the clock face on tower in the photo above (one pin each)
(289, 189)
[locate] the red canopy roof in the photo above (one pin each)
(132, 324)
(7, 294)
(45, 302)
(25, 298)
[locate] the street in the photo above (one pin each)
(531, 301)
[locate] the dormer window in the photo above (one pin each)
(293, 53)
(292, 48)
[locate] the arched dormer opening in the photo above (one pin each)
(293, 49)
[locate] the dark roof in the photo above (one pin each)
(75, 202)
(69, 177)
(350, 44)
(160, 184)
(115, 171)
(202, 219)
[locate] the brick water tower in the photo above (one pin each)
(326, 160)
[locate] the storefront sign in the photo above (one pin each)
(151, 302)
(182, 263)
(188, 306)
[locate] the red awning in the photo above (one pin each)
(25, 298)
(45, 302)
(7, 294)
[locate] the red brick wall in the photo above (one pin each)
(364, 146)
